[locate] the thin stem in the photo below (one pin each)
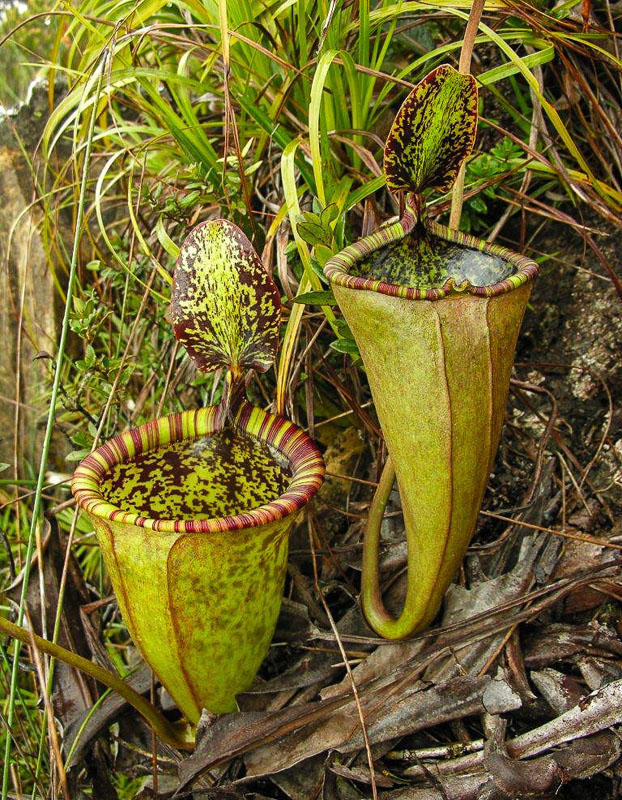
(419, 608)
(53, 733)
(166, 730)
(375, 613)
(464, 67)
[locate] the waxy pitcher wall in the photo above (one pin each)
(193, 522)
(439, 373)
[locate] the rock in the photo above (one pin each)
(28, 315)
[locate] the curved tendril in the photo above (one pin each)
(374, 609)
(378, 617)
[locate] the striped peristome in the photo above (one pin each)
(225, 308)
(299, 451)
(338, 268)
(433, 132)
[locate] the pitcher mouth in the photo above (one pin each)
(291, 443)
(338, 269)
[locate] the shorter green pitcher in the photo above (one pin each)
(192, 517)
(193, 511)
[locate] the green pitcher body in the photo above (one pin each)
(438, 361)
(193, 519)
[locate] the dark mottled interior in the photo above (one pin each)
(424, 261)
(214, 476)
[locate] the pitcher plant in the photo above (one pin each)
(192, 511)
(436, 315)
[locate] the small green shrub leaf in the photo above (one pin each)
(77, 455)
(433, 132)
(330, 214)
(315, 229)
(322, 254)
(348, 346)
(225, 308)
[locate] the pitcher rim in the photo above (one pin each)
(303, 455)
(337, 268)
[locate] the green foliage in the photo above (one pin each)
(493, 172)
(162, 136)
(316, 229)
(23, 55)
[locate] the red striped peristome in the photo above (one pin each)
(338, 267)
(303, 456)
